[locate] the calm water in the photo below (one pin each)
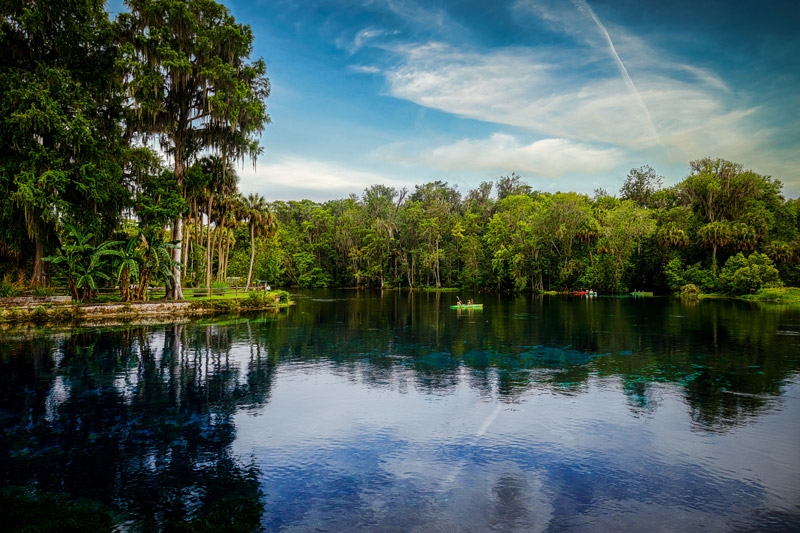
(356, 411)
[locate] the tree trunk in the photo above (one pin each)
(177, 235)
(220, 231)
(252, 254)
(209, 245)
(185, 247)
(714, 260)
(198, 223)
(39, 268)
(437, 274)
(227, 253)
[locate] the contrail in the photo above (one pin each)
(582, 4)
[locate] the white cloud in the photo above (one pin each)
(294, 177)
(362, 38)
(559, 95)
(364, 69)
(552, 158)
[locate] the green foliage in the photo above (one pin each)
(781, 295)
(641, 185)
(742, 275)
(42, 291)
(9, 289)
(85, 264)
(61, 139)
(702, 277)
(258, 299)
(674, 271)
(690, 291)
(39, 314)
(192, 85)
(159, 199)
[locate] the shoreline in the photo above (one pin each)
(45, 311)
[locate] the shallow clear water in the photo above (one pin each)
(362, 411)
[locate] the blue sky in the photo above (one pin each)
(568, 94)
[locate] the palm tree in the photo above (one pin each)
(126, 266)
(222, 183)
(256, 210)
(715, 234)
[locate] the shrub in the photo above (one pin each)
(8, 289)
(39, 313)
(702, 277)
(742, 275)
(690, 291)
(219, 305)
(42, 291)
(674, 272)
(256, 299)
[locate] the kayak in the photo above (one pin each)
(467, 306)
(585, 293)
(641, 293)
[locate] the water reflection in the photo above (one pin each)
(396, 412)
(138, 419)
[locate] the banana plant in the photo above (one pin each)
(126, 266)
(84, 263)
(156, 261)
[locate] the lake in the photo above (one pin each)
(370, 411)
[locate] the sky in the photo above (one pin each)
(569, 95)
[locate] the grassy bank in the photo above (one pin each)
(782, 295)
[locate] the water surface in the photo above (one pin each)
(362, 411)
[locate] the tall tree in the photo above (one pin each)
(732, 205)
(192, 83)
(640, 185)
(622, 230)
(60, 108)
(261, 222)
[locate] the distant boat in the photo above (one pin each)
(467, 306)
(585, 293)
(641, 293)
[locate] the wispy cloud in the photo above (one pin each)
(560, 94)
(362, 38)
(501, 152)
(584, 6)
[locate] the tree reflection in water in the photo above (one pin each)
(138, 420)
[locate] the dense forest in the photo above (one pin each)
(722, 229)
(86, 201)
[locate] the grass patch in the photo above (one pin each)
(783, 295)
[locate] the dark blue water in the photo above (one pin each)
(357, 411)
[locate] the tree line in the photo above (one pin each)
(722, 229)
(86, 201)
